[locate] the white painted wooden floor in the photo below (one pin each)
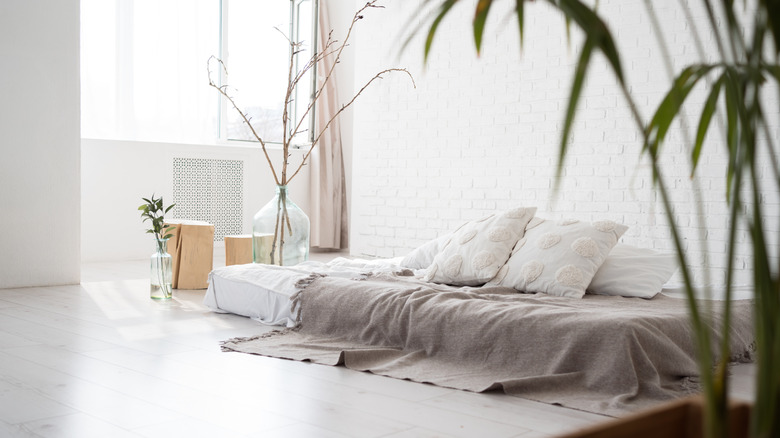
(101, 359)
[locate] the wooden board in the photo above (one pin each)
(192, 250)
(173, 250)
(676, 419)
(238, 249)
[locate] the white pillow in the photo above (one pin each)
(559, 257)
(478, 249)
(629, 271)
(422, 256)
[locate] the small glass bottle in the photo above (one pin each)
(161, 271)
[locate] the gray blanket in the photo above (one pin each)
(608, 355)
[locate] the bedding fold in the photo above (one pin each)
(608, 355)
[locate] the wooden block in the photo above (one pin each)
(193, 253)
(173, 250)
(238, 249)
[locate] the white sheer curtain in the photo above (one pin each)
(143, 70)
(329, 218)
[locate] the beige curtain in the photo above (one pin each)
(329, 218)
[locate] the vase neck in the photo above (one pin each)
(282, 190)
(161, 245)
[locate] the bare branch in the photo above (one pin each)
(343, 107)
(330, 48)
(285, 112)
(315, 59)
(223, 91)
(318, 92)
(284, 35)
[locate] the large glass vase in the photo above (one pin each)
(160, 274)
(280, 232)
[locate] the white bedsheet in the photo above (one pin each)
(262, 292)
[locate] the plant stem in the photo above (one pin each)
(161, 269)
(713, 423)
(276, 230)
(283, 200)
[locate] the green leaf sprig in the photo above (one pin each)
(154, 211)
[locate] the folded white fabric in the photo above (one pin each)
(263, 292)
(629, 271)
(559, 257)
(479, 248)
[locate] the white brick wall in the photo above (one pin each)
(481, 134)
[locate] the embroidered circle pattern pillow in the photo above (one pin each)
(479, 249)
(559, 258)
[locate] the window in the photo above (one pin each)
(257, 54)
(144, 64)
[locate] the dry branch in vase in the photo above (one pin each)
(290, 126)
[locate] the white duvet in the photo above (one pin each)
(262, 292)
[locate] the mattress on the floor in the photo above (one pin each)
(262, 292)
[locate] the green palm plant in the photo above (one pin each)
(743, 69)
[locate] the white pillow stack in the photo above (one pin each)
(564, 258)
(478, 249)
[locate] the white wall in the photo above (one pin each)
(480, 134)
(39, 124)
(116, 174)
